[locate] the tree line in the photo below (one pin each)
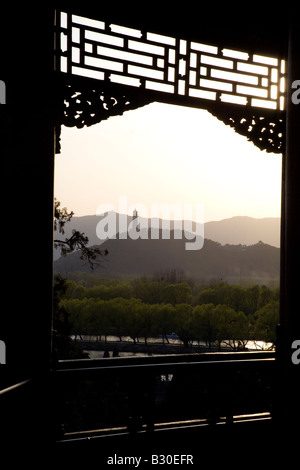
(215, 314)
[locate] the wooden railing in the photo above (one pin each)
(145, 394)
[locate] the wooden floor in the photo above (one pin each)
(245, 445)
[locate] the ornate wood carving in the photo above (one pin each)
(110, 69)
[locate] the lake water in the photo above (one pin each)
(93, 354)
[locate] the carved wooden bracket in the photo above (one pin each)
(109, 69)
(85, 106)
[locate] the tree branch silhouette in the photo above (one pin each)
(78, 241)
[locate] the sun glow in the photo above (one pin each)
(167, 154)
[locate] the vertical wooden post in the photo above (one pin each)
(27, 148)
(290, 305)
(27, 155)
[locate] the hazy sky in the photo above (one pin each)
(166, 154)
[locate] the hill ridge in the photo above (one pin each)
(243, 230)
(147, 257)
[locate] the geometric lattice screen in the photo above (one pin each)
(169, 65)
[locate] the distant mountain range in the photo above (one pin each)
(235, 248)
(244, 230)
(233, 231)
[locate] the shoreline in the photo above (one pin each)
(116, 347)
